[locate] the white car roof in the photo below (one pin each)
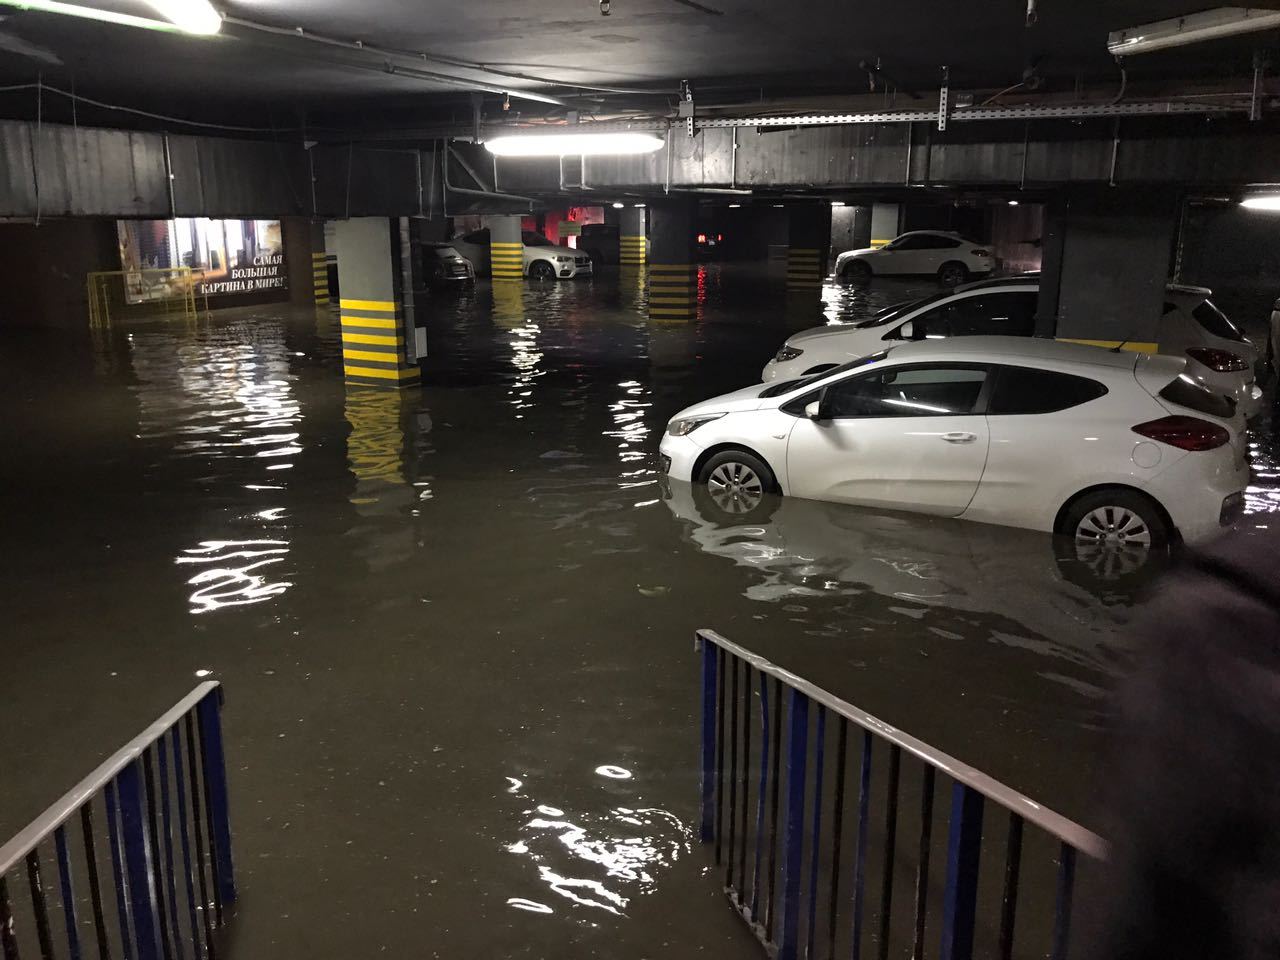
(1012, 349)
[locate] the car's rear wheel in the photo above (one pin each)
(541, 270)
(952, 274)
(1116, 531)
(857, 271)
(737, 481)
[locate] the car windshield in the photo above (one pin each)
(892, 313)
(790, 386)
(537, 240)
(447, 253)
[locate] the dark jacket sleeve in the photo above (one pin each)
(1193, 781)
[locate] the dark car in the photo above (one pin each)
(443, 266)
(600, 241)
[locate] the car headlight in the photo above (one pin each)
(787, 353)
(686, 425)
(564, 259)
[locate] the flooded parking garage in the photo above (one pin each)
(455, 623)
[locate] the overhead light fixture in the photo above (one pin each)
(779, 206)
(1013, 203)
(1270, 201)
(734, 206)
(1193, 28)
(638, 206)
(189, 16)
(618, 205)
(90, 13)
(837, 203)
(570, 144)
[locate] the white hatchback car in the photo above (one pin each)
(1218, 354)
(948, 256)
(1116, 449)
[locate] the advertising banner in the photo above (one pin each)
(224, 256)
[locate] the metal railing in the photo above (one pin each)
(804, 881)
(166, 787)
(153, 291)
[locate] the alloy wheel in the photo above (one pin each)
(735, 487)
(1113, 541)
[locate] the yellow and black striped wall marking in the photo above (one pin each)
(632, 251)
(320, 273)
(373, 345)
(673, 291)
(506, 260)
(1128, 346)
(804, 268)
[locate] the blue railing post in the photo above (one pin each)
(139, 862)
(793, 842)
(960, 898)
(208, 712)
(710, 664)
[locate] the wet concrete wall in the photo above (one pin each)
(43, 270)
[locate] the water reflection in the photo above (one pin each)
(225, 399)
(597, 860)
(1044, 596)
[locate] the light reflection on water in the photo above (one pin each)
(598, 860)
(226, 397)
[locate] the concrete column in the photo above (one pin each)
(506, 251)
(673, 274)
(632, 243)
(808, 244)
(885, 220)
(378, 336)
(1106, 260)
(319, 263)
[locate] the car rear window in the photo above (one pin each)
(447, 253)
(1216, 322)
(1185, 392)
(1022, 390)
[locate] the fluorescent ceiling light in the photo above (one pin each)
(618, 205)
(1013, 203)
(1193, 28)
(1267, 202)
(638, 205)
(734, 206)
(190, 16)
(569, 144)
(837, 203)
(89, 13)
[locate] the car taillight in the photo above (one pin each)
(981, 253)
(1220, 361)
(1185, 433)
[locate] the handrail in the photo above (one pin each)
(1068, 831)
(65, 806)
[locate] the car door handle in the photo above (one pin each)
(959, 437)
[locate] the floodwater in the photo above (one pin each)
(455, 626)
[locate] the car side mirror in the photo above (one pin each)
(817, 410)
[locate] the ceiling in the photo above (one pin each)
(749, 50)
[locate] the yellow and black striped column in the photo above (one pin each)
(320, 270)
(506, 251)
(373, 344)
(809, 242)
(673, 273)
(632, 244)
(377, 332)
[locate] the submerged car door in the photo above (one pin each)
(910, 437)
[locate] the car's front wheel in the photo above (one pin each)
(857, 271)
(737, 481)
(541, 270)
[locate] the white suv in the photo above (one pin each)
(1116, 449)
(948, 256)
(543, 260)
(1190, 326)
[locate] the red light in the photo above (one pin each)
(702, 238)
(719, 237)
(1185, 433)
(1220, 361)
